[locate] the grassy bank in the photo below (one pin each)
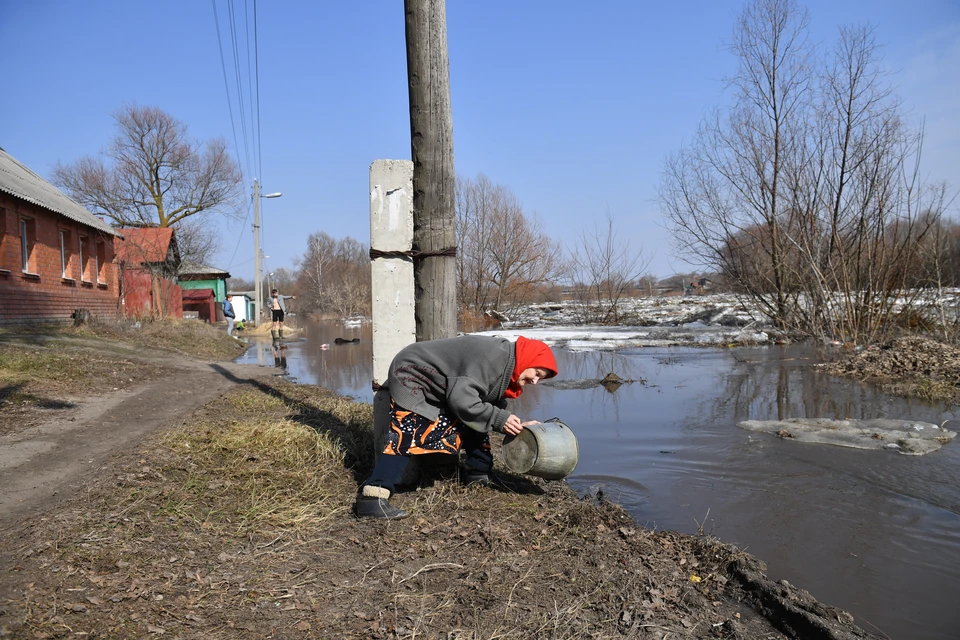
(188, 337)
(265, 329)
(184, 337)
(910, 366)
(48, 367)
(236, 524)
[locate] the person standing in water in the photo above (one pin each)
(447, 395)
(277, 312)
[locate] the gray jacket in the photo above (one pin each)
(468, 375)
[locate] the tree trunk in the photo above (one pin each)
(431, 139)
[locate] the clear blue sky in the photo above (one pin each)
(572, 105)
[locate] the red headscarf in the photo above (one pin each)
(530, 353)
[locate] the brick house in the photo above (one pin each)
(149, 260)
(55, 256)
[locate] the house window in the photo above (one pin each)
(101, 262)
(65, 254)
(84, 259)
(3, 236)
(28, 241)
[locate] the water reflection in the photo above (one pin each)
(781, 383)
(280, 354)
(314, 356)
(872, 532)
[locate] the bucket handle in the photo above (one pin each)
(559, 422)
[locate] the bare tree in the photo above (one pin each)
(334, 276)
(603, 269)
(152, 174)
(314, 269)
(473, 203)
(239, 284)
(732, 182)
(504, 255)
(351, 283)
(198, 241)
(522, 256)
(804, 192)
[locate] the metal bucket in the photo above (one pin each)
(547, 450)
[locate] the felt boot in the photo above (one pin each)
(372, 502)
(483, 479)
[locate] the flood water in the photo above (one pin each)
(874, 533)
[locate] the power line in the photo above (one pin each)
(251, 159)
(226, 85)
(239, 79)
(233, 124)
(256, 61)
(251, 90)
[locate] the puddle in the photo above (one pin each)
(872, 532)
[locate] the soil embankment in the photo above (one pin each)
(217, 505)
(913, 366)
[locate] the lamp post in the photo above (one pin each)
(258, 277)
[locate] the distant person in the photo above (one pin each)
(450, 394)
(229, 313)
(277, 311)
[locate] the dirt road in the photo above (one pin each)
(47, 462)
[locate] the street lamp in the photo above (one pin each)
(258, 285)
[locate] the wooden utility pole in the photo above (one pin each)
(431, 139)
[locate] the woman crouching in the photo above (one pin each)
(447, 395)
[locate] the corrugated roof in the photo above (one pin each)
(197, 269)
(144, 245)
(20, 182)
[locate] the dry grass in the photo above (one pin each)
(911, 366)
(44, 367)
(925, 389)
(30, 365)
(264, 329)
(268, 466)
(40, 377)
(189, 337)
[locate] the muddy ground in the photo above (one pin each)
(912, 366)
(216, 505)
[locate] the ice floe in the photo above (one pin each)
(708, 320)
(909, 437)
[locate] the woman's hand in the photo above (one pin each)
(514, 426)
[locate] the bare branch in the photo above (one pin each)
(152, 174)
